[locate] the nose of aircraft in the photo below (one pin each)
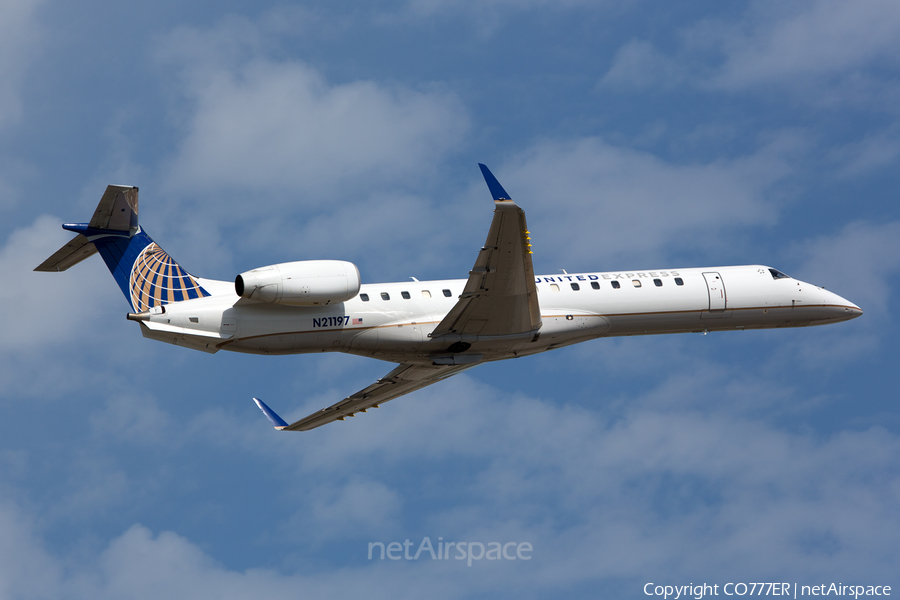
(840, 309)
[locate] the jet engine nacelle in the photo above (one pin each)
(300, 283)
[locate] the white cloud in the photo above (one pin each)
(826, 53)
(281, 126)
(94, 485)
(48, 307)
(673, 491)
(429, 7)
(280, 130)
(47, 317)
(378, 234)
(639, 66)
(133, 417)
(863, 258)
(270, 143)
(688, 477)
(352, 508)
(19, 35)
(26, 569)
(660, 481)
(860, 158)
(139, 564)
(587, 200)
(820, 39)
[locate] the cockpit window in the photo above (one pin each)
(776, 274)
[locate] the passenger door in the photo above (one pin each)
(716, 287)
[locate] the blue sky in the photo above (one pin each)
(636, 135)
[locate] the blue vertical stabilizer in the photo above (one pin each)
(145, 273)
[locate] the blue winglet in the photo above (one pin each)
(497, 190)
(277, 421)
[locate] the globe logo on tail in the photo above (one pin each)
(157, 279)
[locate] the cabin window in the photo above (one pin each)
(776, 274)
(679, 281)
(426, 294)
(636, 282)
(575, 286)
(385, 296)
(554, 287)
(657, 282)
(447, 293)
(404, 295)
(615, 284)
(595, 285)
(364, 297)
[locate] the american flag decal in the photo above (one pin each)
(357, 321)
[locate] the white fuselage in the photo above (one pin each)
(393, 321)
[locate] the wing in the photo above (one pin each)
(500, 297)
(404, 379)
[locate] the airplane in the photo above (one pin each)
(432, 329)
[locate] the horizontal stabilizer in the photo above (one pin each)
(69, 255)
(277, 421)
(117, 214)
